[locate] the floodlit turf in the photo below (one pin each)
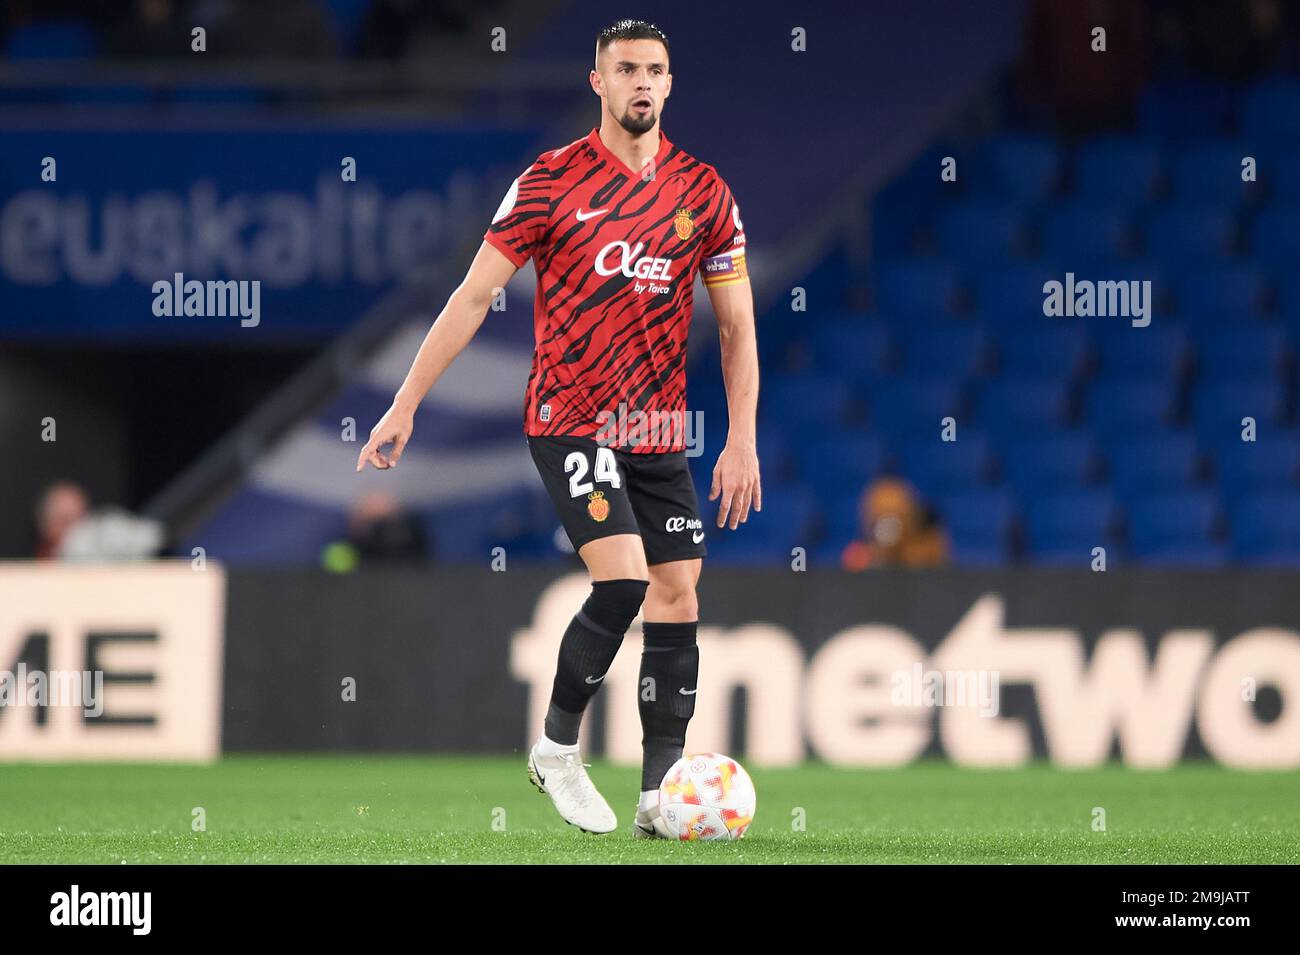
(379, 809)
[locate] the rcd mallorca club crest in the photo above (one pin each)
(597, 506)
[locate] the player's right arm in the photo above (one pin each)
(451, 332)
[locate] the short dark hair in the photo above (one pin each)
(630, 30)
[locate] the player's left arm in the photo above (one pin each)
(735, 476)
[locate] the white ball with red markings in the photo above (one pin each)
(707, 796)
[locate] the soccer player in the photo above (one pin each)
(618, 224)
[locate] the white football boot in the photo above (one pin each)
(564, 778)
(648, 823)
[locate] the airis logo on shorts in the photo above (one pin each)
(597, 506)
(684, 223)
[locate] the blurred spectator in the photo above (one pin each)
(379, 531)
(61, 507)
(151, 28)
(898, 530)
(254, 29)
(66, 529)
(1065, 81)
(1231, 40)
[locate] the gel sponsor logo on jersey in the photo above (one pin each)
(631, 263)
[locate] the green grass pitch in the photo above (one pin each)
(456, 809)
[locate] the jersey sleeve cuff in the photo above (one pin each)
(517, 259)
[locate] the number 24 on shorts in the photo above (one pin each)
(606, 470)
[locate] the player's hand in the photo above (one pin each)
(735, 478)
(393, 428)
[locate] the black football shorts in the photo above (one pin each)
(600, 491)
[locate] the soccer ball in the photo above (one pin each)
(707, 796)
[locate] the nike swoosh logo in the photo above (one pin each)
(697, 536)
(685, 692)
(589, 215)
(598, 679)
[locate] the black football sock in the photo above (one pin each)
(588, 648)
(670, 660)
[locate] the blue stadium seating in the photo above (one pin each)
(1115, 169)
(1169, 460)
(1064, 528)
(1023, 169)
(1082, 231)
(1057, 350)
(953, 348)
(980, 526)
(904, 408)
(938, 467)
(1178, 527)
(1266, 530)
(1182, 233)
(1018, 407)
(916, 286)
(1056, 462)
(978, 231)
(1269, 463)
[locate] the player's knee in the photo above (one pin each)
(614, 604)
(673, 599)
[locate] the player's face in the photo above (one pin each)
(633, 79)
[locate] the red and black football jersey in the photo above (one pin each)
(616, 252)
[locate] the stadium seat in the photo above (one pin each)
(854, 348)
(1116, 408)
(1169, 460)
(976, 232)
(1230, 290)
(1050, 464)
(798, 402)
(937, 467)
(905, 408)
(1242, 350)
(951, 348)
(1269, 463)
(916, 287)
(1114, 169)
(51, 40)
(1046, 349)
(1270, 111)
(1165, 524)
(1023, 169)
(980, 526)
(1183, 232)
(1012, 408)
(1266, 530)
(1184, 109)
(1275, 237)
(1219, 406)
(1064, 528)
(1013, 294)
(1157, 351)
(845, 460)
(1085, 230)
(1209, 171)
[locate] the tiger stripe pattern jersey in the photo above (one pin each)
(616, 252)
